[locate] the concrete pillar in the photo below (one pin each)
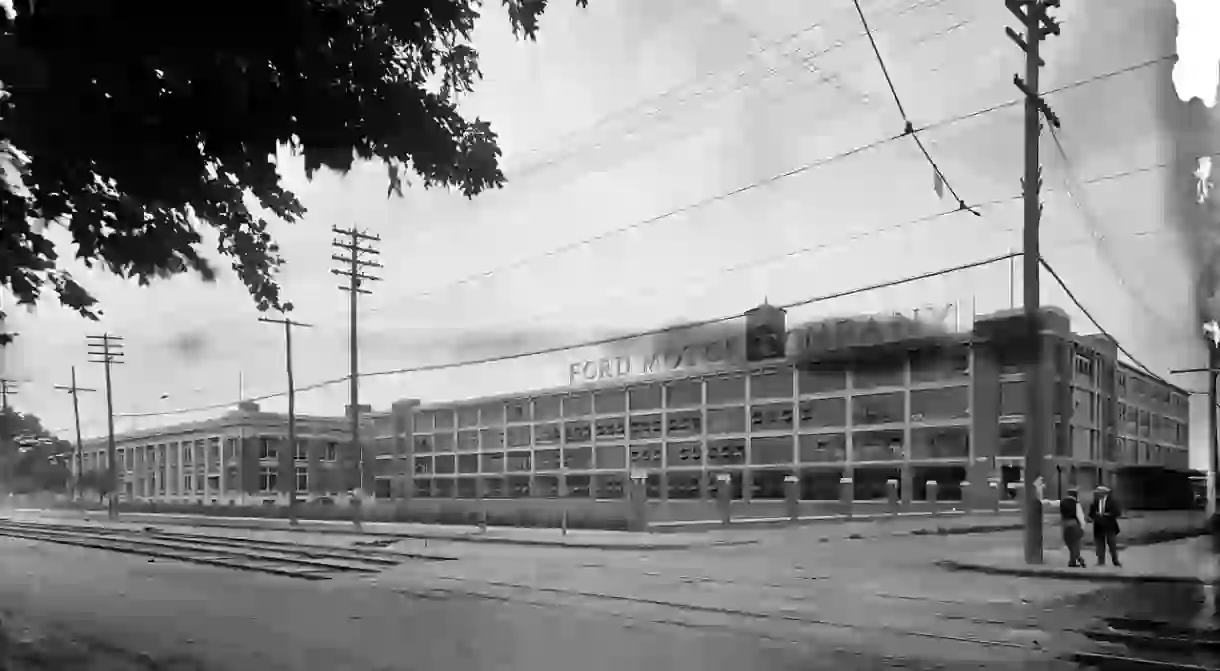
(792, 497)
(724, 497)
(966, 503)
(637, 496)
(891, 495)
(847, 494)
(995, 495)
(933, 490)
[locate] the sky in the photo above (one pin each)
(629, 111)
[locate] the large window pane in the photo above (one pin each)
(820, 484)
(940, 364)
(771, 383)
(546, 434)
(684, 485)
(726, 452)
(869, 482)
(1012, 439)
(608, 428)
(822, 447)
(446, 464)
(685, 423)
(546, 460)
(878, 409)
(468, 417)
(546, 408)
(610, 456)
(645, 427)
(518, 410)
(946, 403)
(723, 389)
(491, 414)
(577, 432)
(646, 456)
(645, 398)
(684, 394)
(519, 436)
(951, 442)
(771, 450)
(821, 378)
(886, 371)
(1012, 399)
(876, 445)
(578, 458)
(771, 417)
(686, 453)
(577, 405)
(726, 420)
(609, 402)
(769, 483)
(824, 412)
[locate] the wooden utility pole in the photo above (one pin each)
(350, 256)
(8, 388)
(292, 410)
(1040, 371)
(1212, 330)
(76, 456)
(107, 350)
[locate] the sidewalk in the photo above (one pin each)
(1183, 561)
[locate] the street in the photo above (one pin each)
(789, 602)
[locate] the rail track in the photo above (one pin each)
(287, 559)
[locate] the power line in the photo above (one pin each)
(1071, 296)
(601, 341)
(562, 249)
(908, 127)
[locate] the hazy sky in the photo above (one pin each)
(592, 146)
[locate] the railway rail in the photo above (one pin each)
(287, 559)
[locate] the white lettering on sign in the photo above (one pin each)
(693, 356)
(833, 334)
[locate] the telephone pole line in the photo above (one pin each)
(8, 387)
(76, 456)
(292, 409)
(349, 255)
(1038, 430)
(107, 350)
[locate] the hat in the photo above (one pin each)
(1103, 489)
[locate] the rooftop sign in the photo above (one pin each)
(831, 335)
(715, 353)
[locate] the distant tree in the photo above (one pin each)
(96, 482)
(136, 124)
(31, 457)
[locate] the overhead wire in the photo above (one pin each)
(596, 342)
(908, 127)
(937, 125)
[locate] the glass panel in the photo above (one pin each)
(726, 451)
(723, 389)
(821, 378)
(518, 436)
(820, 484)
(492, 462)
(726, 420)
(608, 402)
(944, 403)
(683, 394)
(468, 417)
(492, 414)
(645, 427)
(423, 487)
(468, 441)
(687, 453)
(577, 405)
(518, 410)
(546, 434)
(886, 371)
(546, 486)
(876, 445)
(940, 364)
(948, 482)
(817, 447)
(878, 409)
(645, 398)
(422, 444)
(492, 439)
(443, 442)
(769, 483)
(869, 482)
(684, 485)
(468, 463)
(578, 458)
(518, 461)
(578, 486)
(685, 423)
(1012, 439)
(577, 432)
(546, 460)
(423, 465)
(467, 488)
(774, 417)
(646, 456)
(608, 428)
(950, 442)
(1012, 399)
(446, 463)
(771, 450)
(609, 485)
(443, 418)
(824, 412)
(611, 456)
(546, 408)
(771, 383)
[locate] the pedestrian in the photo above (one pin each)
(1103, 514)
(1072, 517)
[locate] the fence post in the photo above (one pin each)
(933, 490)
(724, 497)
(792, 497)
(847, 494)
(891, 495)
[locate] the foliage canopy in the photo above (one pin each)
(135, 123)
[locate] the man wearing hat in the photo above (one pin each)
(1072, 517)
(1104, 513)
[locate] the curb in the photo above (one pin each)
(1067, 574)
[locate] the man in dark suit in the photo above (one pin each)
(1103, 514)
(1072, 518)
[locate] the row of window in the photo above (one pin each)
(814, 484)
(948, 442)
(194, 453)
(268, 481)
(783, 382)
(925, 405)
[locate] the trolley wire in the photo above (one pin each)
(597, 342)
(943, 123)
(908, 127)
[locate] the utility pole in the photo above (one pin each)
(292, 409)
(8, 388)
(1038, 430)
(1212, 331)
(353, 262)
(76, 457)
(107, 350)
